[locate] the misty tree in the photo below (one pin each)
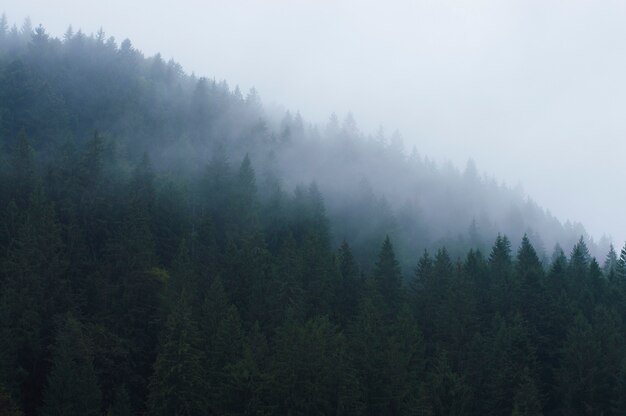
(168, 246)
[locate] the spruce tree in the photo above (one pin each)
(72, 388)
(178, 386)
(388, 276)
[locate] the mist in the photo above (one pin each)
(345, 209)
(532, 91)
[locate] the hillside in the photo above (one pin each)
(167, 247)
(62, 91)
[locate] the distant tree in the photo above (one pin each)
(178, 385)
(68, 35)
(423, 272)
(579, 377)
(444, 391)
(527, 399)
(4, 26)
(500, 272)
(222, 339)
(23, 171)
(621, 264)
(27, 29)
(348, 288)
(72, 387)
(312, 369)
(610, 263)
(388, 276)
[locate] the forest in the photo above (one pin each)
(169, 247)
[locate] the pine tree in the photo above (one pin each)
(72, 387)
(578, 374)
(423, 273)
(512, 353)
(388, 276)
(33, 291)
(621, 264)
(223, 345)
(312, 370)
(527, 399)
(530, 276)
(610, 263)
(500, 271)
(178, 386)
(444, 391)
(24, 174)
(348, 287)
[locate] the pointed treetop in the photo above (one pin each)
(387, 273)
(246, 173)
(501, 251)
(621, 263)
(27, 28)
(347, 265)
(4, 25)
(527, 256)
(424, 267)
(443, 264)
(580, 254)
(611, 261)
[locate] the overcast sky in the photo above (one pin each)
(533, 91)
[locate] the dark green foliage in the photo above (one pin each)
(72, 386)
(178, 386)
(527, 401)
(388, 276)
(168, 264)
(312, 370)
(444, 391)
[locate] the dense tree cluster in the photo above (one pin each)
(62, 90)
(130, 284)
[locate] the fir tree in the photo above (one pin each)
(72, 387)
(178, 386)
(388, 276)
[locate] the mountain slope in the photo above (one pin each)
(61, 91)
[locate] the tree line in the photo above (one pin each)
(166, 250)
(127, 292)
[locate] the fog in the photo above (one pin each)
(532, 91)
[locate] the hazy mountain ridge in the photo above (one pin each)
(62, 91)
(182, 260)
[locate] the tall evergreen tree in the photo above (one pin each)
(178, 386)
(388, 276)
(72, 387)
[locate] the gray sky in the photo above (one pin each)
(533, 91)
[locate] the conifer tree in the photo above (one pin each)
(178, 386)
(72, 387)
(527, 399)
(388, 276)
(312, 370)
(610, 263)
(443, 392)
(348, 288)
(24, 178)
(500, 271)
(223, 345)
(4, 26)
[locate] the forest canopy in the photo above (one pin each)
(171, 247)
